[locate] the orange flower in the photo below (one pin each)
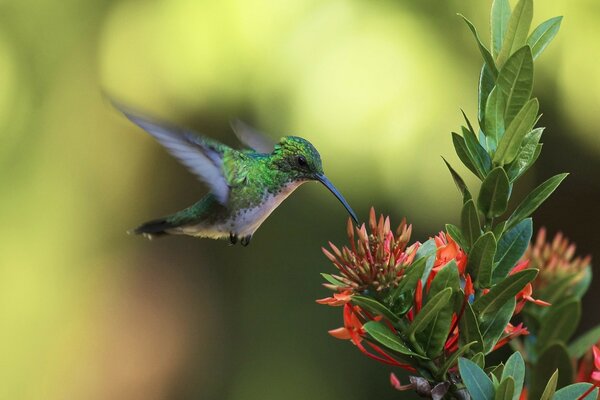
(448, 250)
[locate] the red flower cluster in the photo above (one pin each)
(375, 263)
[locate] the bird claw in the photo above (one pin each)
(246, 240)
(233, 238)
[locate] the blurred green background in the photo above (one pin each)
(88, 312)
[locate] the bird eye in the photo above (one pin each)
(301, 160)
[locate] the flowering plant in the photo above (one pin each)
(436, 309)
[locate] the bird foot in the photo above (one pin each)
(233, 238)
(246, 240)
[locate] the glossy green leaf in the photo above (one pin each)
(481, 260)
(485, 53)
(499, 22)
(470, 226)
(494, 118)
(575, 391)
(478, 384)
(429, 312)
(511, 247)
(550, 387)
(427, 249)
(463, 153)
(499, 230)
(456, 234)
(486, 84)
(434, 336)
(505, 290)
(386, 337)
(411, 277)
(375, 307)
(469, 330)
(481, 159)
(526, 156)
(446, 277)
(494, 193)
(553, 358)
(559, 323)
(535, 199)
(460, 183)
(515, 368)
(515, 81)
(584, 343)
(506, 389)
(541, 37)
(517, 30)
(492, 325)
(511, 142)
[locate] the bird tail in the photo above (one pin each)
(153, 229)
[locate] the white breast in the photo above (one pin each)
(249, 221)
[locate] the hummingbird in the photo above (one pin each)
(245, 185)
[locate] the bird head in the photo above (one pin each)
(301, 161)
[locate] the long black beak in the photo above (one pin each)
(323, 179)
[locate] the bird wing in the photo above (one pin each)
(252, 137)
(203, 157)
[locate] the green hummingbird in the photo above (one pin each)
(245, 185)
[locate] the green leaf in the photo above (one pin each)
(515, 368)
(505, 290)
(550, 387)
(575, 391)
(460, 183)
(543, 35)
(494, 193)
(499, 230)
(386, 337)
(516, 82)
(411, 277)
(427, 249)
(511, 247)
(584, 342)
(553, 358)
(559, 323)
(517, 31)
(477, 153)
(486, 84)
(447, 277)
(535, 199)
(469, 329)
(375, 307)
(492, 326)
(332, 280)
(479, 359)
(478, 384)
(481, 260)
(429, 312)
(511, 142)
(526, 156)
(485, 53)
(434, 336)
(456, 234)
(463, 153)
(470, 226)
(499, 23)
(454, 357)
(506, 389)
(494, 118)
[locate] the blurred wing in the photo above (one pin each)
(204, 158)
(251, 137)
